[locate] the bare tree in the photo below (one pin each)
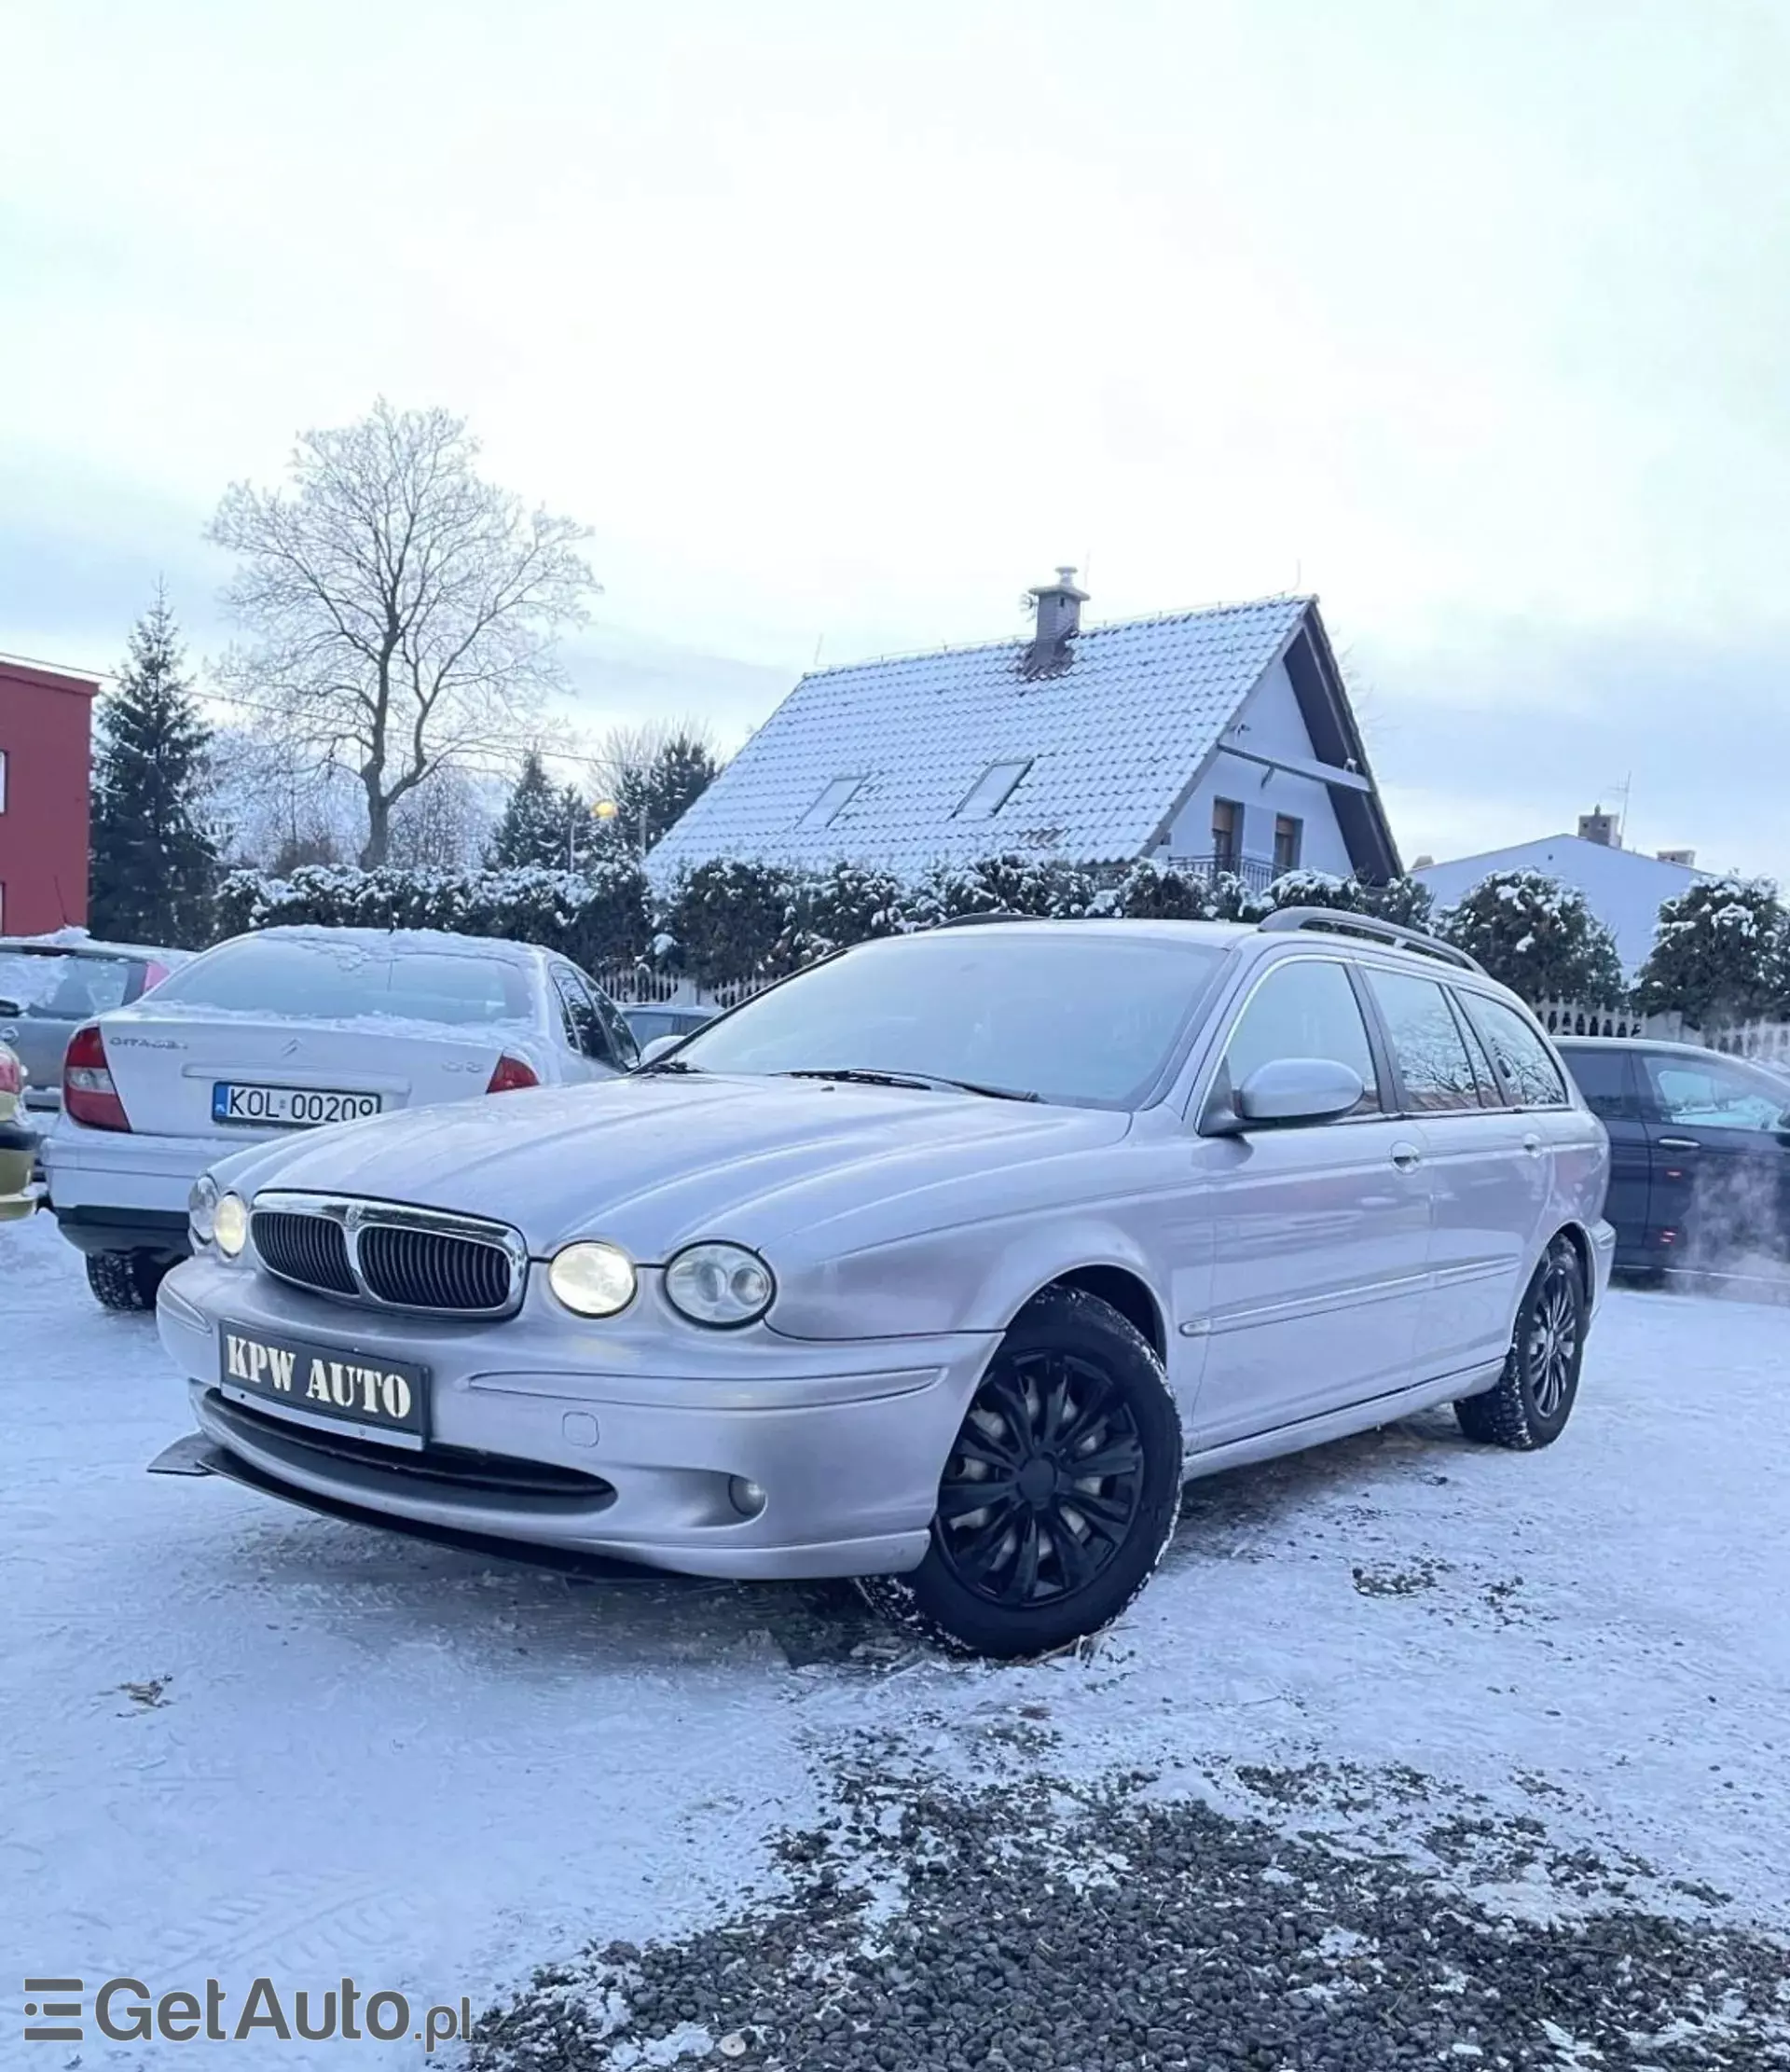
(401, 611)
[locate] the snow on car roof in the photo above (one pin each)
(438, 942)
(76, 942)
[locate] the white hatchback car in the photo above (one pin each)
(291, 1029)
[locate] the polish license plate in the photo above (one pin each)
(288, 1107)
(379, 1397)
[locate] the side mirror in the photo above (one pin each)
(1288, 1090)
(9, 1010)
(658, 1048)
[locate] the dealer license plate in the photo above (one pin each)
(288, 1107)
(379, 1397)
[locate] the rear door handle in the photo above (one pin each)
(1406, 1157)
(1678, 1143)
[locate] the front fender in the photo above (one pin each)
(950, 1280)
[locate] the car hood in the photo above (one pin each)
(657, 1161)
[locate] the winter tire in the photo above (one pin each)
(1061, 1491)
(1534, 1394)
(126, 1280)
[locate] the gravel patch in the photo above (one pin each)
(927, 1927)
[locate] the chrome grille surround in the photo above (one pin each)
(405, 1264)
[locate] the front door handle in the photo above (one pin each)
(1532, 1144)
(1406, 1157)
(1678, 1143)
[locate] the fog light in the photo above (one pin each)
(746, 1497)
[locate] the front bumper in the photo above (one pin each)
(650, 1426)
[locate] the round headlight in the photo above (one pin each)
(592, 1279)
(201, 1209)
(230, 1226)
(722, 1285)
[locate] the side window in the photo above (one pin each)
(1306, 1009)
(1602, 1077)
(584, 1026)
(1720, 1095)
(1524, 1062)
(620, 1037)
(1491, 1094)
(1426, 1042)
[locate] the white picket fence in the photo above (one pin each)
(640, 986)
(1769, 1040)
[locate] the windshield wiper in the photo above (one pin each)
(861, 1075)
(667, 1065)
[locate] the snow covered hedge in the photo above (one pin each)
(596, 917)
(1539, 937)
(731, 922)
(1721, 954)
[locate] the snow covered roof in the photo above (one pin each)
(958, 754)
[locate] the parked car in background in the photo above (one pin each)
(17, 1143)
(288, 1031)
(942, 1264)
(1700, 1154)
(51, 985)
(649, 1024)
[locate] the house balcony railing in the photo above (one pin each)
(1256, 872)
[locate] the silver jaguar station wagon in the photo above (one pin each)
(942, 1264)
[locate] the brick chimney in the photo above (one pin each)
(1059, 620)
(1600, 827)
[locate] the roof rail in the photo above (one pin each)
(994, 914)
(1285, 919)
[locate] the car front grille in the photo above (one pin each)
(309, 1250)
(388, 1255)
(427, 1269)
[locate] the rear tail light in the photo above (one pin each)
(153, 974)
(512, 1073)
(88, 1095)
(11, 1078)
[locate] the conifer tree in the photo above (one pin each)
(154, 866)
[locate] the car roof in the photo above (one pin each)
(414, 942)
(1641, 1043)
(1223, 934)
(1663, 1046)
(83, 945)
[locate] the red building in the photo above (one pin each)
(45, 759)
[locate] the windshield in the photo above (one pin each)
(1083, 1018)
(54, 987)
(322, 981)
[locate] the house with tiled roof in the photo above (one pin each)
(1217, 740)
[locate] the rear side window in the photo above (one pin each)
(1304, 1008)
(1427, 1045)
(584, 1028)
(1524, 1062)
(1604, 1077)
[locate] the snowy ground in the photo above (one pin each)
(235, 1740)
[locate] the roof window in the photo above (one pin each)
(992, 790)
(832, 802)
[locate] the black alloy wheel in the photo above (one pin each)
(1059, 1494)
(1529, 1406)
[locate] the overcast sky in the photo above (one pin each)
(840, 326)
